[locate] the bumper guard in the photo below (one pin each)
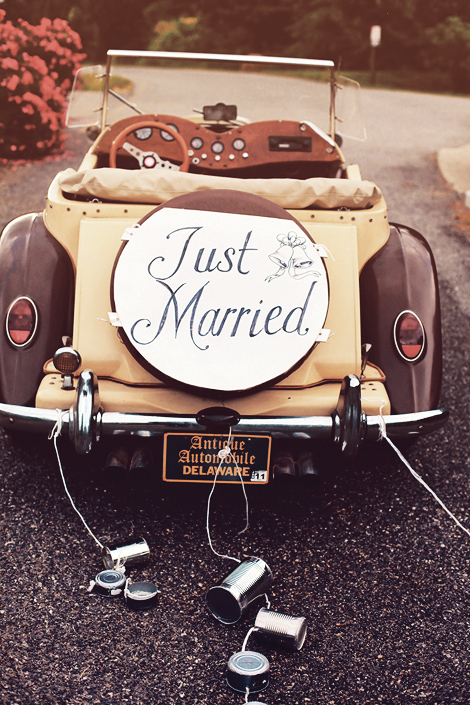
(347, 427)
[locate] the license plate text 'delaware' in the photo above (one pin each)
(189, 457)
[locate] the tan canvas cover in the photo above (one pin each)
(158, 186)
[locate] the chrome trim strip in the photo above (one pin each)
(29, 418)
(406, 426)
(305, 427)
(320, 428)
(319, 132)
(395, 337)
(36, 322)
(202, 56)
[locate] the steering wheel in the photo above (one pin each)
(148, 160)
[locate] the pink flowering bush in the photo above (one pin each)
(37, 65)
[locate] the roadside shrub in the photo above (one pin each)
(175, 35)
(448, 48)
(37, 65)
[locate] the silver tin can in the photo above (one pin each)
(281, 629)
(140, 596)
(135, 553)
(109, 583)
(233, 595)
(248, 671)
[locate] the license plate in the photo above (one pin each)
(193, 457)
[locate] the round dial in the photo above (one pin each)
(238, 144)
(197, 143)
(217, 147)
(166, 135)
(143, 133)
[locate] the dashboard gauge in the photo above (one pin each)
(143, 133)
(217, 147)
(166, 135)
(238, 144)
(196, 143)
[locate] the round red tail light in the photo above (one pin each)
(409, 336)
(21, 321)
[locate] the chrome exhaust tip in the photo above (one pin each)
(307, 468)
(118, 459)
(283, 466)
(141, 461)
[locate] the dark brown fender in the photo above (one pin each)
(33, 264)
(402, 276)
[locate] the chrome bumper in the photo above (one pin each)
(348, 427)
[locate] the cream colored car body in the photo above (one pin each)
(332, 393)
(91, 233)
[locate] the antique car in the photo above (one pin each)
(216, 272)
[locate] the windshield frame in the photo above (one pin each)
(228, 58)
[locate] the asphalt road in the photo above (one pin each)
(378, 569)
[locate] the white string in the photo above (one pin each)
(425, 485)
(248, 634)
(383, 436)
(54, 434)
(225, 452)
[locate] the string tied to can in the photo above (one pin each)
(224, 453)
(383, 436)
(54, 434)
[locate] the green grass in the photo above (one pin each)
(404, 80)
(117, 83)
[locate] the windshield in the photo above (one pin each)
(250, 88)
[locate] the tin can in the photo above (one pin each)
(248, 671)
(281, 629)
(141, 595)
(230, 599)
(134, 553)
(109, 583)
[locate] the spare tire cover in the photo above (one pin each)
(220, 290)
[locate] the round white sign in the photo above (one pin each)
(220, 301)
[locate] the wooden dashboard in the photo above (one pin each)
(221, 146)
